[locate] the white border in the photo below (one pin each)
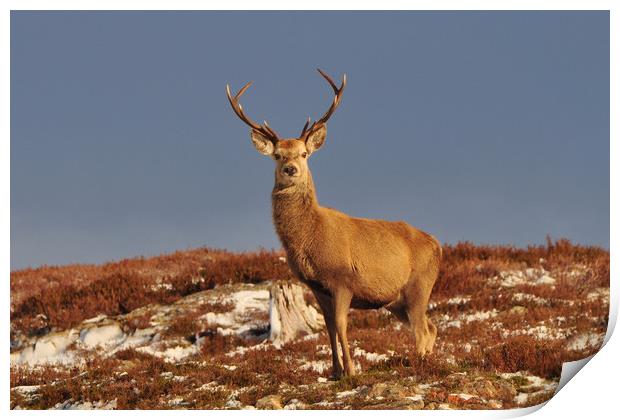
(592, 395)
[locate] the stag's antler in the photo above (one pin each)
(264, 128)
(338, 91)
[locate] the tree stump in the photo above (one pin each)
(290, 317)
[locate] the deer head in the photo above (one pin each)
(290, 154)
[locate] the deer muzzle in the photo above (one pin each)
(290, 170)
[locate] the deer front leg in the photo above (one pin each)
(342, 303)
(327, 307)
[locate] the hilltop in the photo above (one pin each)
(190, 329)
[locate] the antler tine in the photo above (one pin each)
(329, 80)
(271, 130)
(303, 130)
(238, 109)
(335, 103)
(243, 89)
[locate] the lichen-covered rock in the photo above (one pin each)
(491, 390)
(270, 402)
(518, 310)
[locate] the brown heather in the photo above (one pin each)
(67, 295)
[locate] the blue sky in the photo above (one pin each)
(491, 127)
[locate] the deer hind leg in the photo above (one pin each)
(342, 303)
(327, 307)
(417, 294)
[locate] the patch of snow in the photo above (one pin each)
(95, 320)
(585, 340)
(26, 389)
(228, 367)
(528, 297)
(471, 317)
(541, 332)
(159, 285)
(464, 397)
(140, 337)
(371, 357)
(345, 394)
(171, 354)
(600, 293)
(318, 366)
(532, 276)
(172, 377)
(176, 401)
(242, 318)
(294, 404)
(309, 337)
(244, 349)
(458, 300)
(521, 398)
(109, 335)
(48, 349)
(533, 381)
(250, 299)
(323, 350)
(211, 386)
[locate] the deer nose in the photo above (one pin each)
(290, 170)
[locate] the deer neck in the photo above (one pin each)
(295, 215)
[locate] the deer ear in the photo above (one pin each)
(262, 143)
(316, 139)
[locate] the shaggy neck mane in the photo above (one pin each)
(295, 212)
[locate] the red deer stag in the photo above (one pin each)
(347, 262)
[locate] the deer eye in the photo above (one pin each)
(277, 156)
(304, 155)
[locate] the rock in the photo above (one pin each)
(270, 402)
(462, 399)
(491, 390)
(363, 390)
(415, 402)
(233, 403)
(405, 404)
(295, 404)
(455, 380)
(377, 390)
(390, 391)
(394, 392)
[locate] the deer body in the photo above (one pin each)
(327, 246)
(347, 262)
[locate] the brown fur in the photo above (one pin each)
(347, 261)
